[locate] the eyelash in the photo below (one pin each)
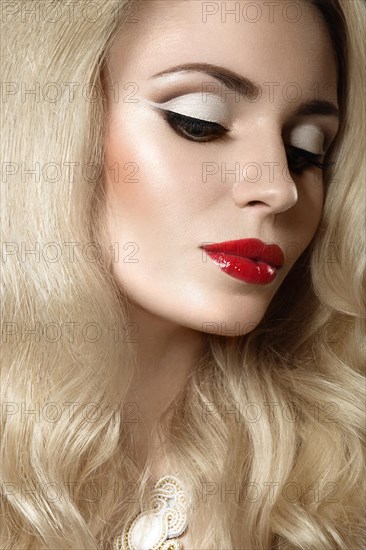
(307, 160)
(185, 125)
(178, 121)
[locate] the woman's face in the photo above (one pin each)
(174, 184)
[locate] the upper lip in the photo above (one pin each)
(253, 249)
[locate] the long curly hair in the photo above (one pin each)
(268, 432)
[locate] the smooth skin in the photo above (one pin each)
(178, 294)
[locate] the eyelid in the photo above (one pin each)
(308, 137)
(207, 107)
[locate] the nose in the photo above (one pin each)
(265, 179)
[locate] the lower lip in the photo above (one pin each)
(248, 271)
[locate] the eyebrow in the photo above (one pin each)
(249, 89)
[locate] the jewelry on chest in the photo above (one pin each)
(157, 527)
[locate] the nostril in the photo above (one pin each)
(254, 203)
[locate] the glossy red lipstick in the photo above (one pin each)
(249, 260)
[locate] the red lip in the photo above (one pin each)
(249, 260)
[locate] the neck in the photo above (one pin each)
(167, 353)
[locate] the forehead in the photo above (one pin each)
(273, 43)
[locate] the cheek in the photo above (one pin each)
(151, 188)
(149, 207)
(316, 203)
(308, 212)
(135, 195)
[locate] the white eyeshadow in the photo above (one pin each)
(208, 107)
(308, 137)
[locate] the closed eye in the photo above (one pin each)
(300, 160)
(195, 129)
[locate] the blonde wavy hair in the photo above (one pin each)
(268, 433)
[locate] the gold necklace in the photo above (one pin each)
(157, 527)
